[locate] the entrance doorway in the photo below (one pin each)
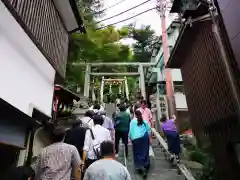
(9, 157)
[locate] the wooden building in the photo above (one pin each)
(208, 60)
(34, 40)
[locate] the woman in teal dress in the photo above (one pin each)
(139, 134)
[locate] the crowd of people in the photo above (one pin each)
(88, 150)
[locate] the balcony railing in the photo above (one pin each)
(41, 22)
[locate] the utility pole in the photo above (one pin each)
(162, 7)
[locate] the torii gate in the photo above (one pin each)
(140, 74)
(104, 81)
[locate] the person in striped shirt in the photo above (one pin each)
(58, 160)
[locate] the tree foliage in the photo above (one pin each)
(103, 45)
(95, 46)
(144, 37)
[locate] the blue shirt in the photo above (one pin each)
(136, 131)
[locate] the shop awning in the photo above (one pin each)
(65, 95)
(14, 126)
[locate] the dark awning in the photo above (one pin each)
(70, 15)
(176, 6)
(65, 95)
(14, 125)
(201, 9)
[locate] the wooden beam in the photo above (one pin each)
(136, 64)
(115, 74)
(114, 79)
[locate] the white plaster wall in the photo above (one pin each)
(158, 55)
(176, 75)
(173, 37)
(26, 77)
(180, 100)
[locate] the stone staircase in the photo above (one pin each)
(160, 169)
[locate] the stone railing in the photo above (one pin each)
(182, 168)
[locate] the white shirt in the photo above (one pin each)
(100, 134)
(118, 101)
(107, 123)
(88, 121)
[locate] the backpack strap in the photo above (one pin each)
(89, 120)
(92, 134)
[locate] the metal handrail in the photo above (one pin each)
(180, 166)
(124, 156)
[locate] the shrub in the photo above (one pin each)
(209, 169)
(197, 155)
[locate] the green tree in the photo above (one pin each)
(103, 46)
(95, 46)
(144, 37)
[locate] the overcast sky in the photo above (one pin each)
(150, 18)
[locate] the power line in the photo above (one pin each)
(123, 11)
(101, 11)
(126, 19)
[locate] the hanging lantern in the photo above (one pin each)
(188, 8)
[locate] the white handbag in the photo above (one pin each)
(151, 152)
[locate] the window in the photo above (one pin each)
(170, 49)
(179, 88)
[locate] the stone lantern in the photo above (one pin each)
(80, 107)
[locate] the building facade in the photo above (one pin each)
(156, 76)
(211, 80)
(34, 39)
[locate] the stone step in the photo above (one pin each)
(160, 169)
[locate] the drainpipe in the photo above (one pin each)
(168, 75)
(30, 147)
(159, 112)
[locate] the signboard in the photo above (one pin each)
(113, 82)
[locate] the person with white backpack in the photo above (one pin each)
(93, 139)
